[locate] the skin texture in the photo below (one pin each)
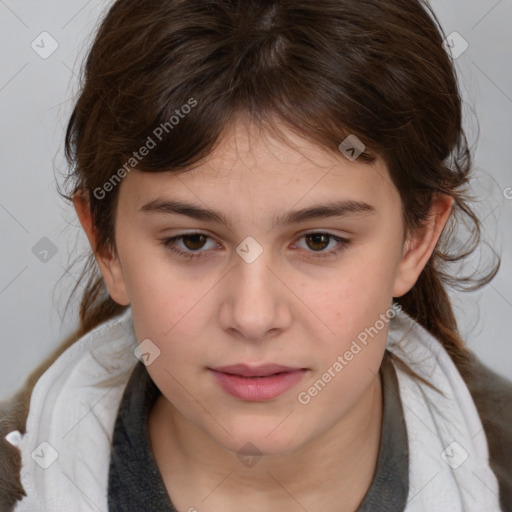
(289, 306)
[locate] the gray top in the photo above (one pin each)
(135, 482)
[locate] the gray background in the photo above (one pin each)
(35, 100)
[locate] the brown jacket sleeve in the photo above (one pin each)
(13, 414)
(492, 395)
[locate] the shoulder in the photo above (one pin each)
(15, 411)
(492, 395)
(13, 416)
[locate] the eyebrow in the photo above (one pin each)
(321, 211)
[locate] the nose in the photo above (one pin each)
(255, 304)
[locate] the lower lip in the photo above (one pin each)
(258, 389)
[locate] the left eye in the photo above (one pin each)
(320, 241)
(193, 242)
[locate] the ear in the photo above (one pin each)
(107, 260)
(420, 245)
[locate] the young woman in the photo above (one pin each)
(269, 190)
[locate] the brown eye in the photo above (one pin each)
(319, 244)
(318, 241)
(190, 245)
(194, 242)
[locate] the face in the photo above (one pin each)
(260, 312)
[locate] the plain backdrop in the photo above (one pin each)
(41, 236)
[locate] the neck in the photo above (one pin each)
(333, 471)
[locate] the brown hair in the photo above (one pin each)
(327, 69)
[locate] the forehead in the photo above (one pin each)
(252, 165)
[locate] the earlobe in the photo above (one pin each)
(109, 263)
(420, 245)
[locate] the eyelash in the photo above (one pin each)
(170, 244)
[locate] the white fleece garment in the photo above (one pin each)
(66, 448)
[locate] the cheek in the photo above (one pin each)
(352, 298)
(163, 297)
(348, 355)
(355, 310)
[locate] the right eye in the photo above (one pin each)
(192, 243)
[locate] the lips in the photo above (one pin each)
(254, 371)
(257, 383)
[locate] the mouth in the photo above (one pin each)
(257, 383)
